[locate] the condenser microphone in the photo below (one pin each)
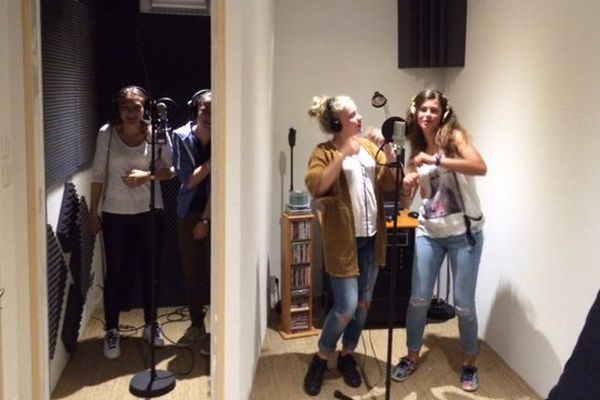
(394, 131)
(399, 133)
(161, 134)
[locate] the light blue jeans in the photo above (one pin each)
(351, 296)
(464, 261)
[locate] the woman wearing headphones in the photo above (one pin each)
(191, 155)
(450, 225)
(120, 206)
(348, 175)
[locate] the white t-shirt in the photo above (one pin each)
(444, 193)
(118, 197)
(360, 174)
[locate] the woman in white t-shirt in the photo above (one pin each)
(451, 222)
(120, 206)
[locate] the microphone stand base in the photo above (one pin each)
(145, 384)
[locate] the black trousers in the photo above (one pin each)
(195, 261)
(581, 377)
(129, 243)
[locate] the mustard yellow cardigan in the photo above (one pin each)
(337, 220)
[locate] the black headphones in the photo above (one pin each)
(447, 107)
(334, 122)
(143, 93)
(193, 102)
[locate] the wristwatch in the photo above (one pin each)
(205, 221)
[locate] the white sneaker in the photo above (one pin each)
(112, 345)
(159, 340)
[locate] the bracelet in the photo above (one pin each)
(205, 221)
(438, 159)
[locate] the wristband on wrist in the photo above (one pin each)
(438, 159)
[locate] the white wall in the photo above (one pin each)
(246, 148)
(528, 97)
(331, 47)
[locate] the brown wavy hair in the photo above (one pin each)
(444, 138)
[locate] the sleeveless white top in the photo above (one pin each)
(447, 197)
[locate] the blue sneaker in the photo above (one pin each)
(469, 379)
(403, 369)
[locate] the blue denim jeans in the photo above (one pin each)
(464, 261)
(346, 316)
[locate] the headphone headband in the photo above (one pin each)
(334, 122)
(447, 109)
(194, 99)
(193, 102)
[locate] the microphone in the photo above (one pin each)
(292, 137)
(394, 131)
(161, 133)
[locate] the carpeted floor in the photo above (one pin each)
(89, 375)
(283, 363)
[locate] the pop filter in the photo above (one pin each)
(394, 130)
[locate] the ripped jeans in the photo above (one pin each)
(348, 314)
(464, 261)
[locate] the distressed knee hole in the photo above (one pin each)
(418, 302)
(343, 318)
(464, 313)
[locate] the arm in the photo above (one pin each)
(326, 173)
(198, 175)
(410, 184)
(202, 228)
(95, 221)
(98, 176)
(469, 162)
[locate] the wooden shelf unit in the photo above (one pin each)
(296, 276)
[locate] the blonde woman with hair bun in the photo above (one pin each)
(348, 175)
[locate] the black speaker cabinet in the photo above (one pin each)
(377, 316)
(431, 33)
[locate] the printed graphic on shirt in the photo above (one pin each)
(441, 197)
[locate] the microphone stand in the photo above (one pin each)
(292, 142)
(395, 266)
(153, 382)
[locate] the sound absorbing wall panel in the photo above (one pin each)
(57, 282)
(431, 33)
(69, 88)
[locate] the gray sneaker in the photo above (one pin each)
(159, 340)
(112, 346)
(205, 345)
(403, 369)
(192, 335)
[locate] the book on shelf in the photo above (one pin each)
(289, 210)
(300, 230)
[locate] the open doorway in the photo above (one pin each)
(103, 46)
